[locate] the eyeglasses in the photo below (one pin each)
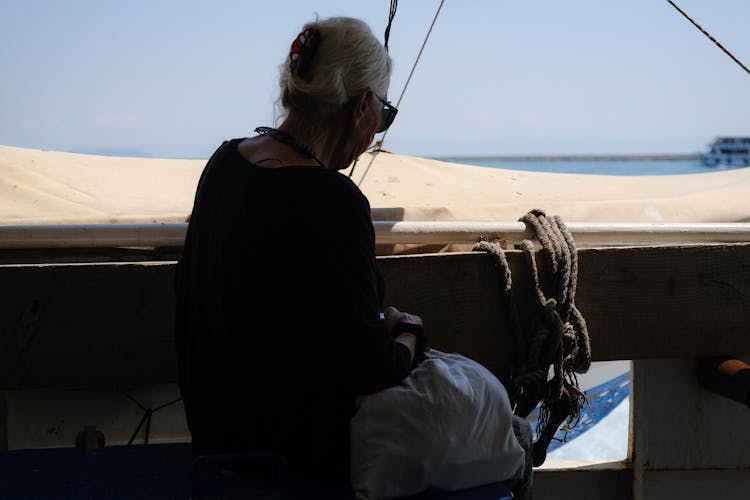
(387, 115)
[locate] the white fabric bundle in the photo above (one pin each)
(447, 426)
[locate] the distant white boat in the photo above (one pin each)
(732, 151)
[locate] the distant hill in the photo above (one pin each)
(122, 152)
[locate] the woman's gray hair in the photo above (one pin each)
(348, 59)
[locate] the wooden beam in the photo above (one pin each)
(666, 302)
(613, 481)
(111, 325)
(103, 326)
(641, 302)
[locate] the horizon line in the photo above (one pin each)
(572, 157)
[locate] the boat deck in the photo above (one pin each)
(160, 472)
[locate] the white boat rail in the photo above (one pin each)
(585, 234)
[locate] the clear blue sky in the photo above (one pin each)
(174, 79)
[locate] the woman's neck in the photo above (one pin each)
(327, 141)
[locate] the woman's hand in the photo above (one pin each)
(393, 316)
(407, 329)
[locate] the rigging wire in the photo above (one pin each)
(709, 36)
(391, 15)
(379, 144)
(378, 147)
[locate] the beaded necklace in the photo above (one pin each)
(290, 141)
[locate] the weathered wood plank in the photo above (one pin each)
(607, 481)
(106, 326)
(731, 484)
(111, 325)
(638, 302)
(679, 425)
(459, 299)
(667, 302)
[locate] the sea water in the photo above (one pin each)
(596, 167)
(601, 434)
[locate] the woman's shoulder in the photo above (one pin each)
(230, 144)
(219, 152)
(338, 189)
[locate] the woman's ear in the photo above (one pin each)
(362, 104)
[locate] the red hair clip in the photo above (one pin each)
(302, 51)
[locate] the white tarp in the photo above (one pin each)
(46, 187)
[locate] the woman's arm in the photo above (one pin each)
(374, 359)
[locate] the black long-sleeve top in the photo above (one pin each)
(278, 297)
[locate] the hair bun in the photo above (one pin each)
(303, 50)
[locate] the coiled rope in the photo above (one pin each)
(558, 336)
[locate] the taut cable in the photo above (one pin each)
(379, 144)
(709, 36)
